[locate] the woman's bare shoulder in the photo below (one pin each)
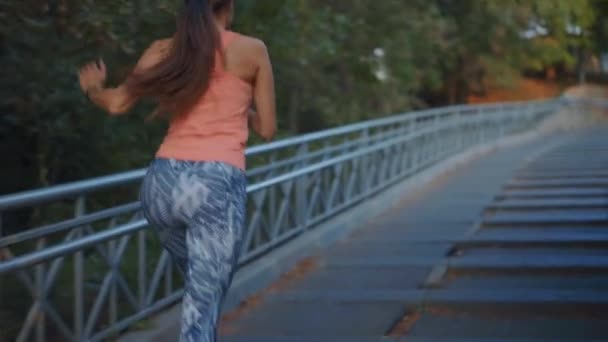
(249, 44)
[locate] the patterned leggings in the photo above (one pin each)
(198, 210)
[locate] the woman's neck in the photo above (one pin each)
(222, 22)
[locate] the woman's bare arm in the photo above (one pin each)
(263, 121)
(115, 100)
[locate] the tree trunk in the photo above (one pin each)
(294, 101)
(580, 65)
(451, 88)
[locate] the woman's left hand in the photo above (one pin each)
(92, 75)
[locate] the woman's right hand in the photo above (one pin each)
(92, 76)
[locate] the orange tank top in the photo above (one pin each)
(216, 129)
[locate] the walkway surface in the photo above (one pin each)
(512, 247)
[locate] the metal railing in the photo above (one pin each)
(579, 102)
(87, 270)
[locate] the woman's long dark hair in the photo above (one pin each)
(182, 77)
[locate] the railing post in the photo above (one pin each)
(300, 189)
(484, 124)
(79, 276)
(168, 278)
(272, 194)
(435, 137)
(407, 149)
(461, 130)
(40, 275)
(113, 305)
(500, 121)
(364, 138)
(141, 269)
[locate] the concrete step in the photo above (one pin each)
(432, 246)
(531, 204)
(490, 339)
(543, 165)
(375, 262)
(362, 278)
(283, 338)
(547, 228)
(452, 326)
(552, 174)
(489, 257)
(555, 237)
(477, 299)
(280, 315)
(505, 300)
(538, 281)
(529, 263)
(553, 193)
(438, 245)
(414, 233)
(547, 217)
(558, 183)
(566, 168)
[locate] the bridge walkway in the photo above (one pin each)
(511, 246)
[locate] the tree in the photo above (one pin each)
(336, 62)
(486, 38)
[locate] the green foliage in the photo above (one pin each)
(58, 134)
(336, 61)
(600, 26)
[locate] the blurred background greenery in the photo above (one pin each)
(336, 61)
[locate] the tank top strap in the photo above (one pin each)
(227, 37)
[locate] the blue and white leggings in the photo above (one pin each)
(198, 210)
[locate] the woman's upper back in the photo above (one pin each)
(216, 128)
(241, 55)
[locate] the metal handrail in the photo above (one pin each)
(116, 232)
(56, 192)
